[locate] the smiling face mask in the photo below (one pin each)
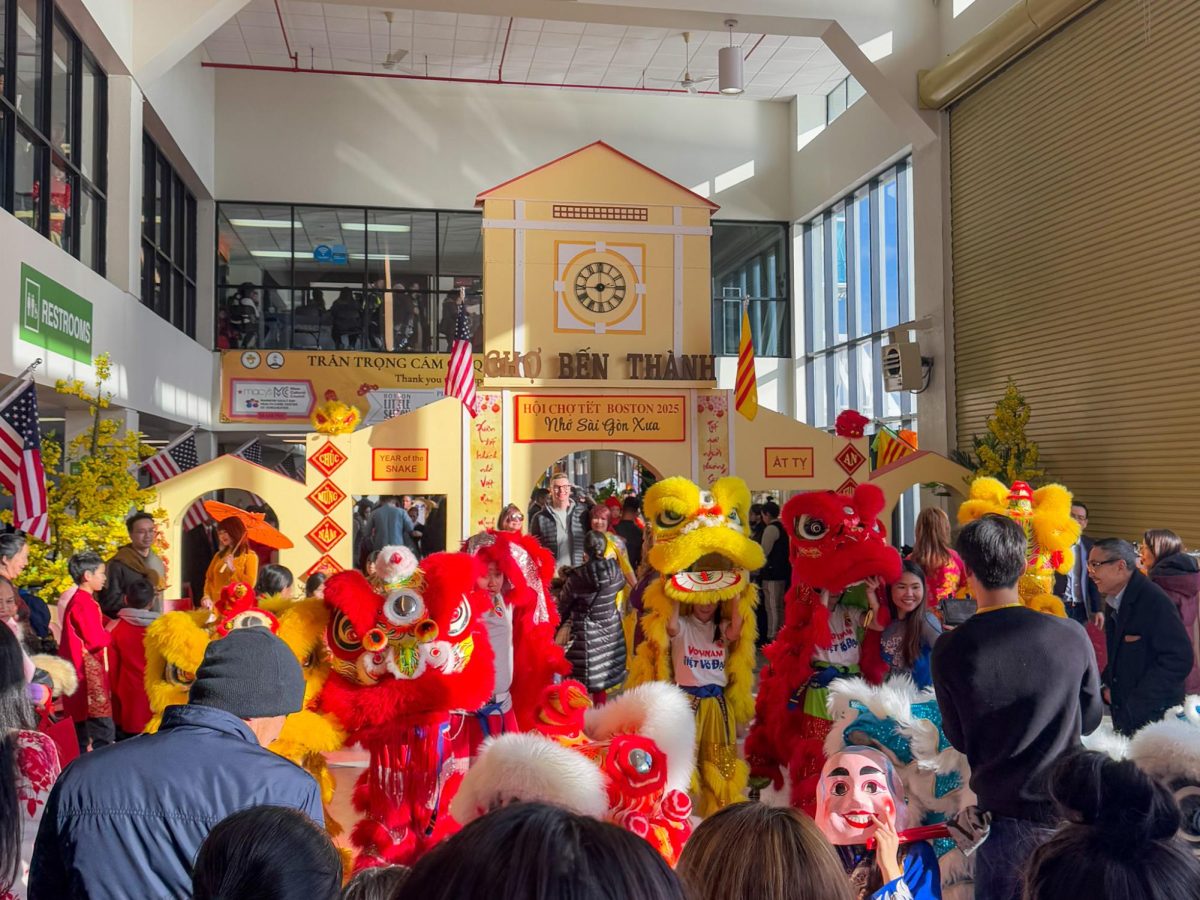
(856, 784)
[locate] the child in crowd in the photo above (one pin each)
(943, 568)
(127, 660)
(698, 640)
(275, 581)
(908, 639)
(496, 716)
(83, 643)
(314, 587)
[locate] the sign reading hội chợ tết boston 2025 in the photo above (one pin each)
(53, 317)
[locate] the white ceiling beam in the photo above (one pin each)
(164, 33)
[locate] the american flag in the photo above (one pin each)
(460, 374)
(173, 459)
(196, 516)
(21, 462)
(251, 452)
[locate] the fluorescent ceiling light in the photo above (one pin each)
(358, 226)
(264, 223)
(285, 434)
(51, 419)
(288, 254)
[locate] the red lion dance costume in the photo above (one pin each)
(836, 543)
(401, 660)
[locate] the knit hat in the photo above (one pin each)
(250, 673)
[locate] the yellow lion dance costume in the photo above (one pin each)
(175, 645)
(703, 554)
(1050, 533)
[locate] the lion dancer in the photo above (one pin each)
(401, 661)
(698, 621)
(521, 620)
(832, 621)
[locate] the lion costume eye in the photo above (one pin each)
(461, 618)
(178, 676)
(404, 607)
(810, 528)
(341, 630)
(669, 519)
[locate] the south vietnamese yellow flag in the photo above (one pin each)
(745, 390)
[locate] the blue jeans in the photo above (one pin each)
(1001, 860)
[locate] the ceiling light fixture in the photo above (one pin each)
(358, 226)
(263, 223)
(729, 65)
(288, 254)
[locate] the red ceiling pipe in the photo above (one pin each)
(453, 80)
(504, 52)
(756, 43)
(295, 57)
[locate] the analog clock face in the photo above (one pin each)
(600, 287)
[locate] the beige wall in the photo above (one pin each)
(330, 139)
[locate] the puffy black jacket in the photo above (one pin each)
(128, 820)
(544, 527)
(589, 604)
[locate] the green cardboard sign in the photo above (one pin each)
(54, 318)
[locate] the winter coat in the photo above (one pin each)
(128, 820)
(1149, 656)
(589, 604)
(1179, 577)
(544, 527)
(127, 669)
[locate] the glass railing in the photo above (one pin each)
(770, 325)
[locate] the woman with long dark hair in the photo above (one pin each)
(908, 639)
(234, 561)
(943, 568)
(28, 767)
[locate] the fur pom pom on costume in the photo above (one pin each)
(62, 674)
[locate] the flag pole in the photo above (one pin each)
(19, 382)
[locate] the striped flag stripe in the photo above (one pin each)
(746, 383)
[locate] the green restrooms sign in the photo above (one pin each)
(54, 318)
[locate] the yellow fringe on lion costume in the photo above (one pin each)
(702, 551)
(1050, 533)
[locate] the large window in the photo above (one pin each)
(750, 263)
(858, 263)
(336, 277)
(168, 241)
(52, 129)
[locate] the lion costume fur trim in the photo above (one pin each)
(62, 674)
(179, 639)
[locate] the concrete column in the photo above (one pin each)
(206, 445)
(124, 222)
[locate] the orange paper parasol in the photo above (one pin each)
(257, 527)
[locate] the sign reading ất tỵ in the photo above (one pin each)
(788, 462)
(53, 317)
(562, 418)
(400, 464)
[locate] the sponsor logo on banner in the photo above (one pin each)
(257, 399)
(385, 404)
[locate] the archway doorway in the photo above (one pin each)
(600, 474)
(198, 543)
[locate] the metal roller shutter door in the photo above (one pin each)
(1075, 223)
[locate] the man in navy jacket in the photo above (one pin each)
(128, 820)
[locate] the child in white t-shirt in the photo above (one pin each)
(495, 717)
(699, 635)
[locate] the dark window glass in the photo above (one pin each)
(90, 240)
(28, 87)
(29, 162)
(64, 187)
(91, 107)
(750, 267)
(168, 241)
(62, 86)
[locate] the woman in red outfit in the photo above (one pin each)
(84, 642)
(932, 552)
(127, 660)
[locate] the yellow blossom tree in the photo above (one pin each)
(91, 489)
(1005, 452)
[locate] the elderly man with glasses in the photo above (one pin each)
(1149, 652)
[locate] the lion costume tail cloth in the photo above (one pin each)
(704, 555)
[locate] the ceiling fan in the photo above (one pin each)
(688, 82)
(392, 61)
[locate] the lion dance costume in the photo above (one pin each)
(704, 555)
(836, 543)
(1050, 533)
(628, 762)
(401, 660)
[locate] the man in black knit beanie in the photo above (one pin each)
(128, 820)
